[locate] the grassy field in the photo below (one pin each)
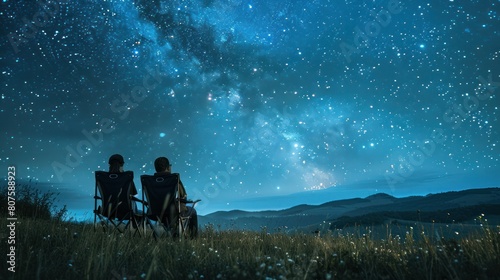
(52, 249)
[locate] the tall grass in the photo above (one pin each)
(54, 249)
(47, 247)
(32, 202)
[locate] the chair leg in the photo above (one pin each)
(102, 222)
(187, 228)
(136, 226)
(153, 227)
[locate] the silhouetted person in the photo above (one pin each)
(163, 166)
(116, 163)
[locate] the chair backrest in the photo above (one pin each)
(114, 189)
(161, 191)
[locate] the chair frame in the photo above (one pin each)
(110, 204)
(182, 221)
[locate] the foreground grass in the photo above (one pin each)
(60, 250)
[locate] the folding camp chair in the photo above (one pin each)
(116, 204)
(161, 197)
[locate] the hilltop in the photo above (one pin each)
(449, 207)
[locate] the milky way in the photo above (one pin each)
(252, 99)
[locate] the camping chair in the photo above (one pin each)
(117, 205)
(164, 205)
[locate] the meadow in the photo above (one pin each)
(54, 248)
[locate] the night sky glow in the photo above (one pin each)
(257, 104)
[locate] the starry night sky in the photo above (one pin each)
(257, 104)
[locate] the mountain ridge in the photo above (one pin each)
(306, 216)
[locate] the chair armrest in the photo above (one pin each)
(133, 198)
(189, 201)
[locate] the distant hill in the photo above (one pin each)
(449, 207)
(462, 215)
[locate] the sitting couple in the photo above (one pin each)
(162, 167)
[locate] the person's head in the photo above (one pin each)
(162, 164)
(116, 163)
